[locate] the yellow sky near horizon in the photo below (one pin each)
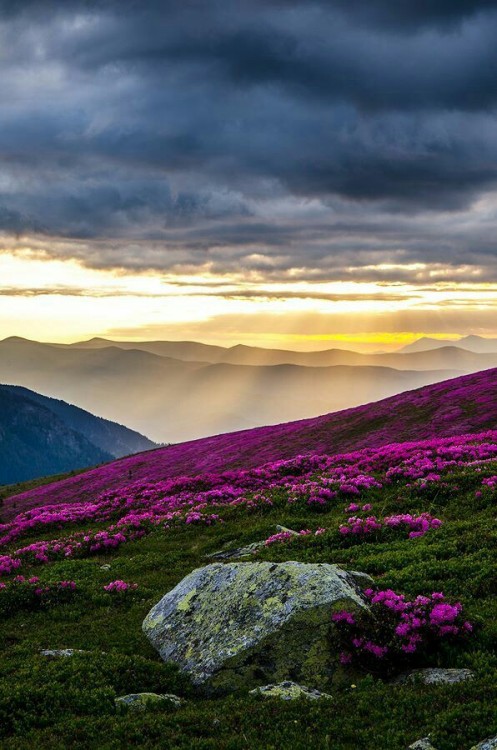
(58, 300)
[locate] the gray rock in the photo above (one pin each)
(141, 701)
(435, 676)
(490, 744)
(232, 626)
(238, 553)
(289, 691)
(248, 550)
(284, 529)
(423, 744)
(57, 653)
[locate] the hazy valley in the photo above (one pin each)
(176, 391)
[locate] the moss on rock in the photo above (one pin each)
(141, 701)
(289, 691)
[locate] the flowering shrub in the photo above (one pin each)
(359, 526)
(288, 536)
(396, 631)
(415, 525)
(490, 482)
(318, 482)
(120, 586)
(30, 593)
(281, 536)
(448, 415)
(121, 591)
(8, 564)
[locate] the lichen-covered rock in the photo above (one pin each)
(141, 701)
(435, 676)
(423, 744)
(490, 744)
(232, 626)
(289, 691)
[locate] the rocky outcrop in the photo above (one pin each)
(232, 626)
(289, 691)
(423, 744)
(490, 744)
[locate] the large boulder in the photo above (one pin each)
(237, 625)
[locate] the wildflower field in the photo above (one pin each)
(420, 518)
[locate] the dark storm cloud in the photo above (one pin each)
(277, 135)
(409, 13)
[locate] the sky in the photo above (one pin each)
(290, 173)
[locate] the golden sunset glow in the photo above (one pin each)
(63, 301)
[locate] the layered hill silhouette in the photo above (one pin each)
(470, 354)
(172, 399)
(472, 343)
(41, 436)
(455, 407)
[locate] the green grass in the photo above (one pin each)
(69, 702)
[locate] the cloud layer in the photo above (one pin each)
(330, 139)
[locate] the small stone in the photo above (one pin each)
(490, 744)
(141, 701)
(248, 550)
(435, 676)
(105, 567)
(284, 529)
(56, 653)
(289, 691)
(238, 553)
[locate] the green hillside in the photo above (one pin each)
(69, 701)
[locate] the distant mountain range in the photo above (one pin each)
(173, 399)
(477, 344)
(459, 354)
(455, 407)
(42, 436)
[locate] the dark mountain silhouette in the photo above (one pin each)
(40, 436)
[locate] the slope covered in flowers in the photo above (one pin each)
(419, 517)
(454, 407)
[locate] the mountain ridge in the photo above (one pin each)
(473, 343)
(463, 405)
(443, 355)
(40, 435)
(172, 400)
(34, 441)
